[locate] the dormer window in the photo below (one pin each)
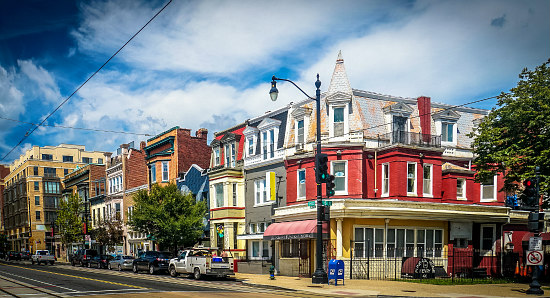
(338, 121)
(269, 130)
(338, 103)
(217, 156)
(250, 146)
(251, 135)
(300, 131)
(230, 155)
(446, 126)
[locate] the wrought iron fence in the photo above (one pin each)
(455, 263)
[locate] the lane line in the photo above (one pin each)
(81, 277)
(39, 281)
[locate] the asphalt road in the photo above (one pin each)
(81, 281)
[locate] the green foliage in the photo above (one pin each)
(68, 220)
(108, 232)
(515, 137)
(173, 219)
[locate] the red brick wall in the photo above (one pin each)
(136, 169)
(192, 150)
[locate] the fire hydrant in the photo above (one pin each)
(272, 272)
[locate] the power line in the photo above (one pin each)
(80, 128)
(445, 109)
(29, 132)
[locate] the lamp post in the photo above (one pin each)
(319, 276)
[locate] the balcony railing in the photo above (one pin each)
(409, 138)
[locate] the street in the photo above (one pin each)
(22, 279)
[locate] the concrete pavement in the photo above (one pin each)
(374, 288)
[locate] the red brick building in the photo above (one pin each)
(172, 152)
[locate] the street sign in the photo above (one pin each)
(535, 257)
(535, 243)
(311, 204)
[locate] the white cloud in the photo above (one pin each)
(11, 98)
(449, 52)
(47, 87)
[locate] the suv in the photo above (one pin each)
(83, 256)
(152, 261)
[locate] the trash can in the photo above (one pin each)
(336, 271)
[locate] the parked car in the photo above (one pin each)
(152, 261)
(121, 262)
(200, 262)
(25, 255)
(100, 261)
(13, 255)
(83, 256)
(43, 256)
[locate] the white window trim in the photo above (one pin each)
(167, 171)
(346, 173)
(463, 197)
(298, 197)
(253, 139)
(263, 189)
(385, 194)
(431, 194)
(494, 226)
(439, 131)
(415, 186)
(494, 199)
(217, 155)
(346, 120)
(260, 250)
(296, 130)
(153, 177)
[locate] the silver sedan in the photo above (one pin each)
(121, 262)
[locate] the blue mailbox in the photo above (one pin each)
(336, 271)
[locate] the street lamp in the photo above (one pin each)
(319, 276)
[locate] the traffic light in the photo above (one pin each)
(321, 168)
(536, 222)
(326, 213)
(529, 197)
(329, 186)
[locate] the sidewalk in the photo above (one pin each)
(390, 288)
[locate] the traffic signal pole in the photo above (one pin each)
(534, 286)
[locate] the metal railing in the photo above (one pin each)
(409, 138)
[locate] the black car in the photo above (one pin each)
(152, 261)
(100, 261)
(13, 255)
(25, 255)
(83, 256)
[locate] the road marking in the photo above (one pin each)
(86, 278)
(39, 281)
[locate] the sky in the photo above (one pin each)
(209, 63)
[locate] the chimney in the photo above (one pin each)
(202, 133)
(424, 112)
(142, 146)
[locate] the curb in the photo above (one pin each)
(247, 282)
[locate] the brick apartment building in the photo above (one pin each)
(32, 192)
(172, 152)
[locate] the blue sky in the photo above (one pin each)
(209, 63)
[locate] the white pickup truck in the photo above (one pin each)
(201, 262)
(43, 256)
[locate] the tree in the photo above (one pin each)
(68, 220)
(168, 216)
(109, 233)
(515, 137)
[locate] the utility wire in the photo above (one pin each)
(445, 109)
(80, 128)
(29, 132)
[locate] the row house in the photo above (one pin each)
(226, 180)
(404, 181)
(265, 184)
(195, 182)
(32, 192)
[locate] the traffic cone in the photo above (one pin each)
(516, 272)
(525, 270)
(522, 270)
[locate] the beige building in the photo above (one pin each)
(32, 192)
